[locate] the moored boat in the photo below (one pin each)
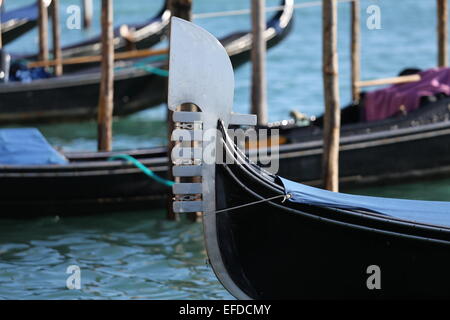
(397, 149)
(134, 36)
(139, 84)
(271, 238)
(18, 22)
(378, 154)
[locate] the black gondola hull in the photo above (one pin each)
(18, 22)
(272, 251)
(17, 30)
(18, 101)
(77, 99)
(89, 185)
(264, 247)
(383, 157)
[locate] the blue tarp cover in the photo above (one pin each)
(428, 212)
(27, 147)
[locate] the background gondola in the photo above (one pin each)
(383, 152)
(138, 85)
(126, 37)
(18, 22)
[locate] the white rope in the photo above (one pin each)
(285, 197)
(207, 15)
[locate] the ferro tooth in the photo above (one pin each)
(187, 206)
(187, 171)
(187, 188)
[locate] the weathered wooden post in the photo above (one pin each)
(106, 100)
(43, 30)
(181, 9)
(1, 10)
(57, 53)
(258, 54)
(442, 13)
(87, 13)
(331, 91)
(355, 49)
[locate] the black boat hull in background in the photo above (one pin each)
(378, 157)
(90, 184)
(12, 33)
(150, 33)
(74, 96)
(22, 21)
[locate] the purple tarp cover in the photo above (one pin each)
(385, 103)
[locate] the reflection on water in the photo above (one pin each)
(121, 256)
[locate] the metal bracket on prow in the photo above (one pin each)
(200, 73)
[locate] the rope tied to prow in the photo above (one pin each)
(284, 196)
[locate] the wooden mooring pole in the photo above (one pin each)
(331, 91)
(88, 10)
(355, 49)
(442, 13)
(43, 30)
(1, 10)
(181, 9)
(56, 32)
(106, 100)
(258, 55)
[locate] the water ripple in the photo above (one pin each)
(133, 255)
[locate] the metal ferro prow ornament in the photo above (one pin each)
(200, 73)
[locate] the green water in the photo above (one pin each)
(141, 255)
(132, 256)
(433, 190)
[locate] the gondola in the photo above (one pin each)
(137, 85)
(144, 36)
(384, 153)
(16, 23)
(323, 245)
(277, 29)
(88, 184)
(126, 37)
(270, 238)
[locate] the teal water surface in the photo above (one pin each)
(141, 255)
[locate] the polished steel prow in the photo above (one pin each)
(200, 73)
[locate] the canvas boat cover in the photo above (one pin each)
(384, 103)
(27, 147)
(428, 212)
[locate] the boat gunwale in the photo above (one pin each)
(286, 151)
(248, 168)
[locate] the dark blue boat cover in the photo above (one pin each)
(27, 147)
(30, 12)
(428, 212)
